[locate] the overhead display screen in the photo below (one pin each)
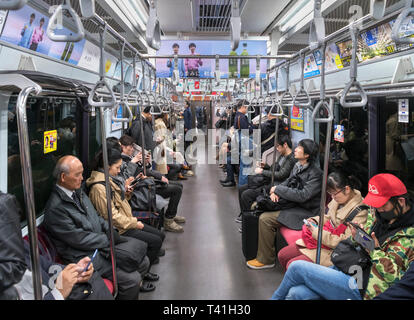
(204, 68)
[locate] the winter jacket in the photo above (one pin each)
(336, 216)
(392, 259)
(188, 121)
(122, 216)
(76, 231)
(304, 188)
(283, 168)
(12, 256)
(130, 169)
(402, 290)
(242, 122)
(135, 132)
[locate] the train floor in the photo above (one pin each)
(206, 261)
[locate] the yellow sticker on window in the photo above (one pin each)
(49, 141)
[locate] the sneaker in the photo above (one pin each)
(172, 226)
(240, 230)
(256, 264)
(238, 219)
(189, 173)
(179, 219)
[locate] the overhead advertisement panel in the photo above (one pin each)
(204, 68)
(27, 28)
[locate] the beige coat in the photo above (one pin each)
(337, 216)
(121, 210)
(160, 151)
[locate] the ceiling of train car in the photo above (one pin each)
(211, 19)
(213, 16)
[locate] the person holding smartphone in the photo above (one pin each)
(346, 197)
(392, 228)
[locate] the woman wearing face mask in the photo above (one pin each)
(345, 199)
(392, 230)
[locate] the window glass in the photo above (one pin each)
(349, 143)
(397, 140)
(44, 114)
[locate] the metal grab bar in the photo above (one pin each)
(395, 35)
(51, 27)
(27, 179)
(377, 8)
(317, 27)
(353, 75)
(329, 107)
(302, 91)
(12, 4)
(87, 8)
(235, 25)
(153, 33)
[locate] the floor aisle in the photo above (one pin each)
(206, 261)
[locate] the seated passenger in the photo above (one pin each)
(300, 195)
(12, 257)
(345, 199)
(392, 229)
(122, 217)
(248, 193)
(402, 289)
(77, 230)
(171, 190)
(64, 282)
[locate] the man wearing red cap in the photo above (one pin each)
(391, 228)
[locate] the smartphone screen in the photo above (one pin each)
(363, 238)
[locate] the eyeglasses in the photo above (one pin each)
(336, 193)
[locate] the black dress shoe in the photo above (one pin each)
(146, 287)
(161, 253)
(224, 181)
(151, 276)
(156, 261)
(229, 184)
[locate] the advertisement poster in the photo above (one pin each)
(204, 68)
(297, 119)
(345, 52)
(339, 134)
(311, 67)
(332, 58)
(376, 43)
(49, 141)
(26, 28)
(90, 57)
(117, 125)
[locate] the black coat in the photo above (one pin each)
(77, 231)
(304, 188)
(135, 132)
(12, 255)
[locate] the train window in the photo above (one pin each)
(349, 143)
(48, 119)
(396, 141)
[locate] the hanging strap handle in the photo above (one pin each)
(235, 24)
(102, 82)
(353, 75)
(87, 8)
(377, 8)
(317, 27)
(12, 4)
(322, 104)
(153, 33)
(287, 93)
(278, 112)
(52, 26)
(396, 35)
(302, 93)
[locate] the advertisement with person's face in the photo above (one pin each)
(26, 28)
(205, 68)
